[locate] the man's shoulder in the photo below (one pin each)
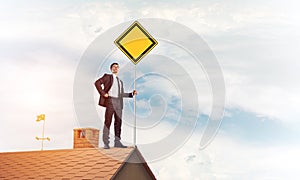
(107, 75)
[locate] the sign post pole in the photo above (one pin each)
(135, 42)
(134, 133)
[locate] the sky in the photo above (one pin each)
(256, 44)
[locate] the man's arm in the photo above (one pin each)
(98, 84)
(127, 95)
(130, 95)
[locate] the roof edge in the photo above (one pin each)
(139, 154)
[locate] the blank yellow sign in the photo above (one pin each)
(135, 42)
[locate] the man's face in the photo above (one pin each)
(115, 69)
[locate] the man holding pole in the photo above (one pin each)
(111, 91)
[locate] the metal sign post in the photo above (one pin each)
(135, 42)
(134, 129)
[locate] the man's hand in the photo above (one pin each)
(134, 92)
(106, 95)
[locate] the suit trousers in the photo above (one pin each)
(113, 108)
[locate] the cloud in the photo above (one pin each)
(226, 158)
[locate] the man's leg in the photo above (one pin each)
(118, 124)
(108, 118)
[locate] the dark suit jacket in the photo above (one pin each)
(107, 80)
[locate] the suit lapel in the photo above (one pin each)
(111, 80)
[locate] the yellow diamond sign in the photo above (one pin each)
(135, 42)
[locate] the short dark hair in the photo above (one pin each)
(113, 64)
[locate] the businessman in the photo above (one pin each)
(111, 91)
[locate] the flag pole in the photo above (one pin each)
(43, 135)
(134, 128)
(42, 118)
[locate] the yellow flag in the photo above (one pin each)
(40, 117)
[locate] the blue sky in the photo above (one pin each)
(256, 44)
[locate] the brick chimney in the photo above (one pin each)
(86, 138)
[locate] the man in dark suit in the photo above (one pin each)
(111, 91)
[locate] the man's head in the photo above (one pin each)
(114, 68)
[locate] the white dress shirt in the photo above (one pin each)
(113, 92)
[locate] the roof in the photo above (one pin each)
(81, 163)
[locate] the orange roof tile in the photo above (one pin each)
(82, 163)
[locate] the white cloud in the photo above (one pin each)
(227, 158)
(272, 100)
